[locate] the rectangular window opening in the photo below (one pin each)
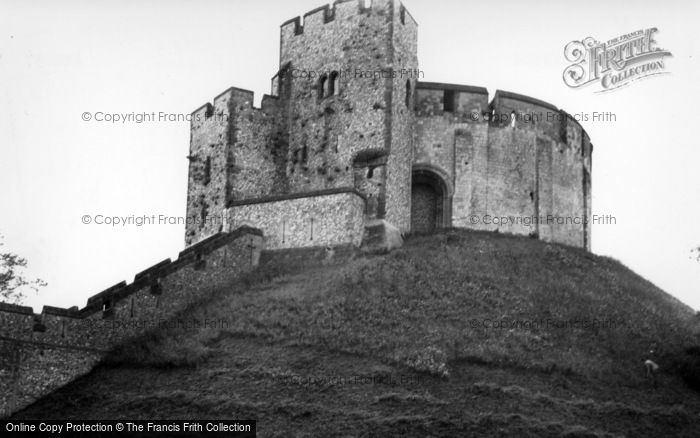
(448, 101)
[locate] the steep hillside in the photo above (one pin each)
(455, 334)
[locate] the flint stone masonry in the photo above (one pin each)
(324, 218)
(42, 352)
(349, 109)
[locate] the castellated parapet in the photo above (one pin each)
(349, 136)
(42, 352)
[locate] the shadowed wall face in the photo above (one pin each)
(324, 218)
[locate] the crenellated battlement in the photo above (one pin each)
(470, 104)
(340, 10)
(78, 338)
(231, 99)
(334, 21)
(325, 14)
(16, 308)
(525, 112)
(501, 96)
(113, 295)
(231, 140)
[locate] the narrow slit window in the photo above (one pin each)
(322, 85)
(408, 94)
(207, 171)
(333, 84)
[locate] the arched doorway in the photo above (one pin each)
(430, 201)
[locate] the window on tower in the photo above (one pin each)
(334, 84)
(329, 85)
(322, 86)
(448, 101)
(408, 93)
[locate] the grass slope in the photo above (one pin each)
(456, 334)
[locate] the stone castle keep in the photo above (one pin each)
(331, 159)
(349, 140)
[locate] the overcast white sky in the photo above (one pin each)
(60, 59)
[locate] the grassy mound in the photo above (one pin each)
(456, 296)
(488, 333)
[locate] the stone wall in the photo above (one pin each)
(232, 156)
(41, 352)
(323, 218)
(345, 112)
(332, 135)
(317, 131)
(400, 88)
(516, 158)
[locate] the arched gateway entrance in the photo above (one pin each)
(430, 201)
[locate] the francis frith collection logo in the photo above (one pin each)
(615, 63)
